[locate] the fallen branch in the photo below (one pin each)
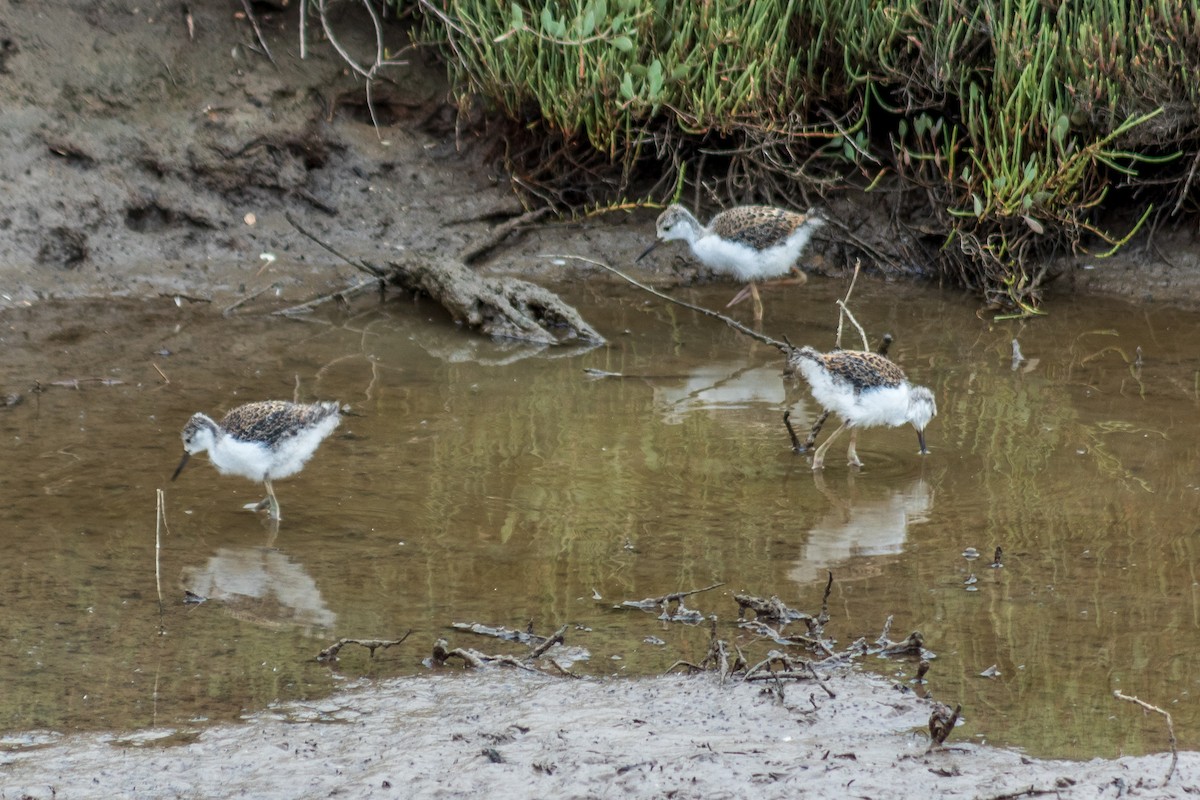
(1170, 728)
(507, 634)
(717, 656)
(941, 723)
(340, 294)
(823, 617)
(770, 608)
(229, 309)
(1032, 791)
(733, 323)
(504, 307)
(843, 304)
(500, 233)
(798, 447)
(912, 645)
(474, 658)
(555, 638)
(160, 522)
(361, 266)
(794, 640)
(682, 613)
(790, 666)
(331, 653)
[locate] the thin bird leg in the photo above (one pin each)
(274, 504)
(749, 290)
(819, 456)
(852, 454)
(742, 294)
(797, 277)
(758, 306)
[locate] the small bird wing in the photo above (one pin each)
(273, 420)
(864, 370)
(759, 227)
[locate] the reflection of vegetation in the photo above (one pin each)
(1007, 122)
(465, 492)
(1094, 511)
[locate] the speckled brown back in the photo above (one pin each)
(271, 421)
(759, 227)
(862, 369)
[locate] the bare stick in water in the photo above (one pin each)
(160, 522)
(1170, 728)
(733, 323)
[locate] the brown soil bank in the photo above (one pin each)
(516, 735)
(154, 148)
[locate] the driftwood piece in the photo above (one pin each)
(681, 612)
(331, 653)
(504, 307)
(912, 645)
(500, 632)
(793, 669)
(540, 644)
(555, 638)
(717, 657)
(768, 608)
(942, 722)
(473, 658)
(814, 643)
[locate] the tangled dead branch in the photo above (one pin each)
(502, 307)
(474, 658)
(681, 612)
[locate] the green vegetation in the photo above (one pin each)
(1005, 125)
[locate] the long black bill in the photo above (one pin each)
(920, 438)
(646, 252)
(182, 463)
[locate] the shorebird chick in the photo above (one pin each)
(864, 389)
(261, 441)
(750, 243)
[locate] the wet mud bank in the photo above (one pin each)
(518, 735)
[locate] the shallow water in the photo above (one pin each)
(485, 482)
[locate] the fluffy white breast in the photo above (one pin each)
(256, 461)
(291, 455)
(876, 406)
(234, 457)
(744, 262)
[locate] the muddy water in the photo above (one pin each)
(484, 482)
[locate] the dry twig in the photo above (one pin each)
(1170, 728)
(500, 232)
(257, 31)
